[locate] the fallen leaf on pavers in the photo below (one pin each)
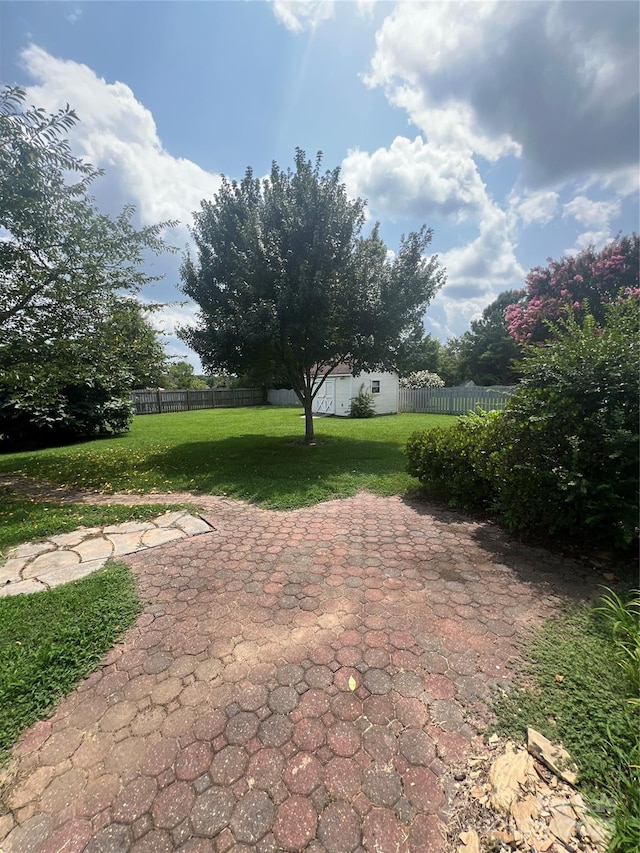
(352, 683)
(470, 842)
(524, 813)
(563, 820)
(510, 773)
(554, 756)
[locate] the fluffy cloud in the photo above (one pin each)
(416, 180)
(591, 213)
(535, 207)
(476, 273)
(596, 217)
(118, 133)
(557, 80)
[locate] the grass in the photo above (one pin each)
(577, 689)
(248, 453)
(25, 519)
(50, 640)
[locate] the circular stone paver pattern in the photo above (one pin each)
(304, 680)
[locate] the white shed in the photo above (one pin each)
(341, 386)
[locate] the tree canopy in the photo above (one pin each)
(285, 280)
(71, 344)
(487, 352)
(575, 286)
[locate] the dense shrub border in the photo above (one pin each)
(562, 458)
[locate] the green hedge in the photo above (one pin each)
(563, 456)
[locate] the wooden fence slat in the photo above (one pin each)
(158, 401)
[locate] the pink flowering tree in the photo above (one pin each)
(568, 287)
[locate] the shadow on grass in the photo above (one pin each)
(278, 471)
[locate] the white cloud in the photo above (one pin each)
(535, 207)
(557, 82)
(476, 273)
(118, 133)
(597, 239)
(596, 217)
(299, 15)
(415, 179)
(591, 213)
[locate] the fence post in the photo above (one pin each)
(188, 401)
(159, 401)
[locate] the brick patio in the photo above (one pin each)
(305, 680)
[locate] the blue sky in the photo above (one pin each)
(510, 128)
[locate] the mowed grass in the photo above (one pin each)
(49, 640)
(249, 453)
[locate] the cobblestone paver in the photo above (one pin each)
(306, 680)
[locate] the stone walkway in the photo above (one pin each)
(298, 681)
(69, 556)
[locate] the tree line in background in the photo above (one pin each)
(287, 286)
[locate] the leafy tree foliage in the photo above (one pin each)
(563, 457)
(285, 280)
(181, 375)
(487, 352)
(575, 286)
(70, 347)
(421, 352)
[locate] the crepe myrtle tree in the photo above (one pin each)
(285, 280)
(575, 286)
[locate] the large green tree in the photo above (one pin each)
(180, 374)
(487, 352)
(284, 278)
(65, 268)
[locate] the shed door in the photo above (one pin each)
(325, 402)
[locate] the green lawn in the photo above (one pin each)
(49, 640)
(248, 453)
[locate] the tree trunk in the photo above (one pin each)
(309, 435)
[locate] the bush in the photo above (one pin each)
(567, 458)
(452, 462)
(47, 415)
(563, 456)
(362, 406)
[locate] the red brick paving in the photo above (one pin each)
(305, 680)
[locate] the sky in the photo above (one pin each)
(509, 128)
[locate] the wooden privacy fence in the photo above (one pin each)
(454, 401)
(156, 402)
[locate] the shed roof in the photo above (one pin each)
(341, 369)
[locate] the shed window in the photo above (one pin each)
(375, 386)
